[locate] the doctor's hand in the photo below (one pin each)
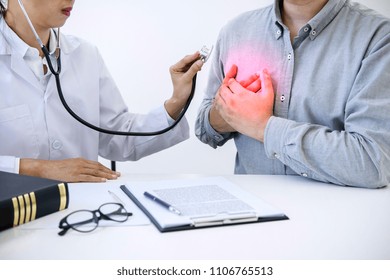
(182, 74)
(68, 170)
(253, 83)
(246, 111)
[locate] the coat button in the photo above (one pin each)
(56, 145)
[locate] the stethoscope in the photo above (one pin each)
(204, 55)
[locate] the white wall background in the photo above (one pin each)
(139, 40)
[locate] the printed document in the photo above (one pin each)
(202, 202)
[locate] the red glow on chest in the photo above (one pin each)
(249, 61)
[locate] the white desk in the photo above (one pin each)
(326, 222)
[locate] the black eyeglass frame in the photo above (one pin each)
(65, 225)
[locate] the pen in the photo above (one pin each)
(115, 197)
(162, 203)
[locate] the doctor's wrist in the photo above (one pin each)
(174, 106)
(31, 167)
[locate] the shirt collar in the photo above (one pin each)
(325, 16)
(15, 44)
(317, 23)
(277, 19)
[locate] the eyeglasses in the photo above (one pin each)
(87, 220)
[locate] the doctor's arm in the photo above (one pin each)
(116, 116)
(68, 170)
(182, 74)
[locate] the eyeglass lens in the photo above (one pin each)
(114, 212)
(83, 220)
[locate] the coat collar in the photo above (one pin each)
(12, 44)
(14, 47)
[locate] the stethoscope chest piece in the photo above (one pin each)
(205, 53)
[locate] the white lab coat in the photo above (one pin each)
(34, 124)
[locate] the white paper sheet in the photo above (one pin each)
(204, 199)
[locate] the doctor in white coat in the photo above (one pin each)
(37, 136)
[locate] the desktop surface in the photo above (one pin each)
(326, 222)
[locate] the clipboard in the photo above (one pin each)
(166, 221)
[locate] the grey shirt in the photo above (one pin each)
(332, 94)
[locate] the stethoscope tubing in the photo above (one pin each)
(113, 132)
(57, 73)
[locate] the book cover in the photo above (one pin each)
(26, 198)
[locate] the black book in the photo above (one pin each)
(26, 198)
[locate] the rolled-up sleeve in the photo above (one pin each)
(359, 155)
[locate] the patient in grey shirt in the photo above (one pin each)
(303, 87)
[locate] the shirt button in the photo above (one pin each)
(282, 98)
(304, 174)
(56, 145)
(306, 29)
(276, 155)
(289, 56)
(314, 33)
(278, 32)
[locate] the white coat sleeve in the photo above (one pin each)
(9, 164)
(114, 115)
